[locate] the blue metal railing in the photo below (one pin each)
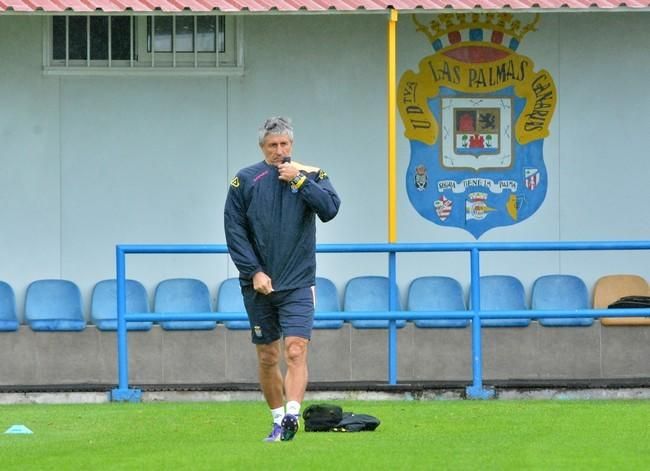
(476, 390)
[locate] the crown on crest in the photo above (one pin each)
(502, 29)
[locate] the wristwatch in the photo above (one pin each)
(298, 181)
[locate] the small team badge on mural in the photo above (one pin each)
(421, 180)
(443, 207)
(476, 206)
(531, 178)
(513, 205)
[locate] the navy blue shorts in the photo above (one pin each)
(287, 313)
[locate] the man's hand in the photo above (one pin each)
(287, 172)
(262, 283)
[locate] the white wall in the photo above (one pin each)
(89, 162)
(30, 204)
(604, 165)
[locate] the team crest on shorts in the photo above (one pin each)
(476, 114)
(258, 331)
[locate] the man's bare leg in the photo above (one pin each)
(295, 382)
(270, 376)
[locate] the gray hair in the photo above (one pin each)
(276, 125)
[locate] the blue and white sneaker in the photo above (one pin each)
(275, 435)
(290, 426)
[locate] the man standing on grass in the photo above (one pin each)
(270, 227)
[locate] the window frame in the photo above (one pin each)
(142, 62)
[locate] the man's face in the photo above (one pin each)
(276, 147)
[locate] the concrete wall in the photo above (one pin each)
(225, 356)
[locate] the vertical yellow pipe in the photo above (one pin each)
(392, 105)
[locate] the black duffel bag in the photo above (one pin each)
(331, 418)
(322, 417)
(626, 302)
(357, 423)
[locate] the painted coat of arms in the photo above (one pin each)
(476, 114)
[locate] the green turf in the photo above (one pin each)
(413, 435)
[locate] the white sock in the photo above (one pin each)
(293, 408)
(277, 414)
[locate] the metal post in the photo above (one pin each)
(122, 393)
(391, 68)
(392, 324)
(476, 390)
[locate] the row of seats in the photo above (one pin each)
(56, 305)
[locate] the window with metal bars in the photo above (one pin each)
(160, 43)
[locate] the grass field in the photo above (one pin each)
(413, 435)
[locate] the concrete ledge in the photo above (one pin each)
(342, 394)
(222, 356)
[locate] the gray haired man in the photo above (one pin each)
(270, 225)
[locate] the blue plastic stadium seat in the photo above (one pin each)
(103, 306)
(186, 295)
(437, 293)
(561, 292)
(230, 299)
(501, 293)
(327, 300)
(368, 293)
(54, 305)
(8, 319)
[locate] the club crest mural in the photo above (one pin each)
(476, 114)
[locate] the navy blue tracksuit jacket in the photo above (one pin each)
(269, 228)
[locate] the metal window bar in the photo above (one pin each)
(217, 46)
(110, 40)
(131, 42)
(48, 42)
(174, 41)
(67, 41)
(476, 390)
(153, 41)
(195, 42)
(87, 41)
(239, 41)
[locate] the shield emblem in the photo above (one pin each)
(443, 207)
(476, 129)
(421, 180)
(476, 115)
(477, 132)
(531, 178)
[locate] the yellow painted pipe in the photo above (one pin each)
(392, 132)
